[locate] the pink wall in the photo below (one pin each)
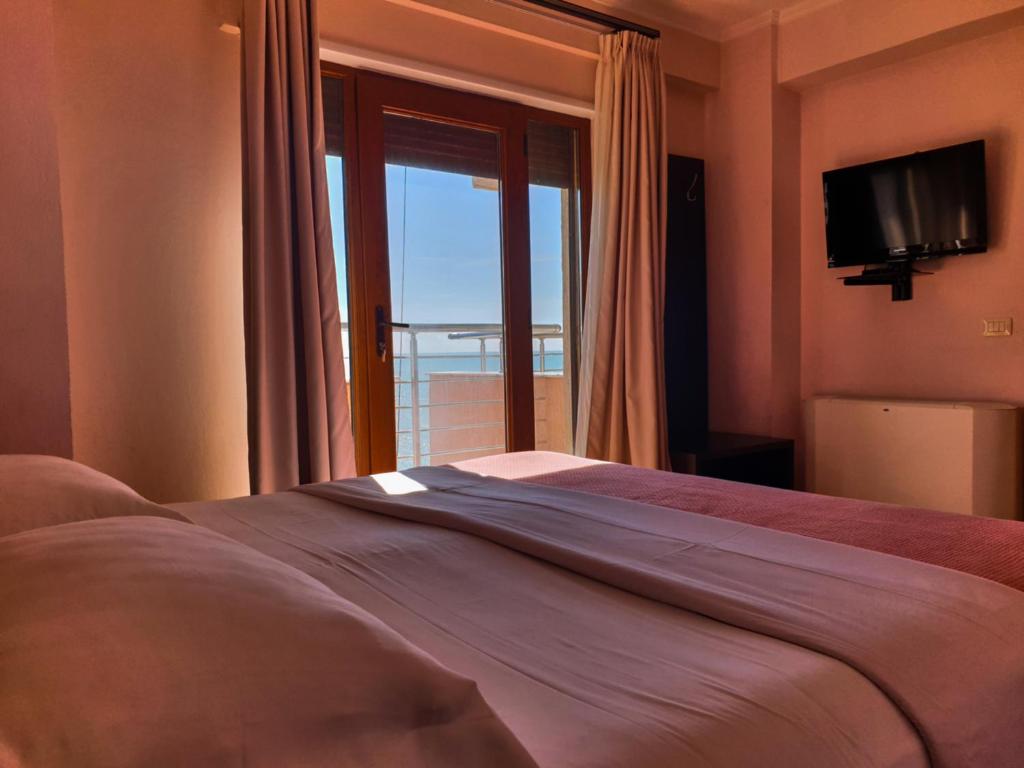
(739, 163)
(753, 181)
(463, 36)
(391, 28)
(855, 340)
(684, 109)
(786, 288)
(35, 411)
(395, 29)
(150, 147)
(840, 38)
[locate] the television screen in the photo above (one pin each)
(911, 207)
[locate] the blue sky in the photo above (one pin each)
(452, 256)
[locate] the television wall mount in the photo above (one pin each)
(899, 275)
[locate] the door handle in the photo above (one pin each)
(383, 323)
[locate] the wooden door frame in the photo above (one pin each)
(367, 96)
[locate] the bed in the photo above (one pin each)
(613, 616)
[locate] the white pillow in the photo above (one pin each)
(36, 491)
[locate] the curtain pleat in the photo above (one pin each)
(299, 423)
(622, 385)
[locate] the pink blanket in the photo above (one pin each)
(981, 546)
(943, 646)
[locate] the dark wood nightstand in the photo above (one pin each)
(743, 458)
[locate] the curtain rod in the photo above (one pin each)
(579, 12)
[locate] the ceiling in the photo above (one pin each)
(710, 18)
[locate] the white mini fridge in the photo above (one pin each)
(956, 457)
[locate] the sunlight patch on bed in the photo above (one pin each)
(397, 484)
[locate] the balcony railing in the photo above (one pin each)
(432, 386)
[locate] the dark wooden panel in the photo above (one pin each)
(751, 459)
(686, 306)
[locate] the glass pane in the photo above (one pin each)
(444, 247)
(336, 190)
(554, 281)
(334, 121)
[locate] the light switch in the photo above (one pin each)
(999, 326)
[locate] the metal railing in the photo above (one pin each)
(408, 397)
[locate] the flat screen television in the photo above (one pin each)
(906, 208)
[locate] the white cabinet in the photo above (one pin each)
(956, 457)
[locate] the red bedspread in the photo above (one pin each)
(993, 549)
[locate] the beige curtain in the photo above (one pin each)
(299, 423)
(622, 386)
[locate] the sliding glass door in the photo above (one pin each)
(444, 241)
(462, 260)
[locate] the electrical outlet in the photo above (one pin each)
(999, 326)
